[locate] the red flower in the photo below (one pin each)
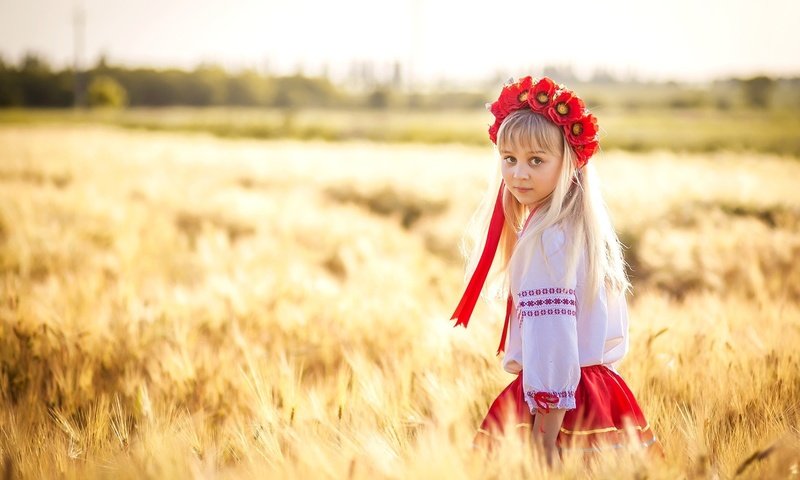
(512, 97)
(581, 131)
(540, 94)
(523, 86)
(498, 109)
(493, 130)
(565, 108)
(584, 152)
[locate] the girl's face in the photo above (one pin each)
(529, 172)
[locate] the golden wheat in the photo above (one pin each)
(181, 306)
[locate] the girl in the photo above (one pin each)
(565, 275)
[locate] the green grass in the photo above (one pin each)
(690, 130)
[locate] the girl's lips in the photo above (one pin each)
(524, 189)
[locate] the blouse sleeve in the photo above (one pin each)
(547, 315)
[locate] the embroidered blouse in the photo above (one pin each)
(549, 337)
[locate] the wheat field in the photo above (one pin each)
(182, 306)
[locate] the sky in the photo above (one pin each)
(684, 40)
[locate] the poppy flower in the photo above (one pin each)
(523, 86)
(584, 152)
(498, 109)
(493, 131)
(513, 97)
(540, 94)
(565, 108)
(581, 131)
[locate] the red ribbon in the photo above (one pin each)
(544, 399)
(502, 346)
(467, 304)
(473, 291)
(510, 302)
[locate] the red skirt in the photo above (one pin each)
(606, 416)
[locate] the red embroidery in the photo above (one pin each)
(561, 394)
(545, 291)
(547, 311)
(563, 299)
(545, 400)
(549, 301)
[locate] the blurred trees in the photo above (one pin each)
(9, 92)
(757, 91)
(33, 83)
(248, 88)
(300, 91)
(104, 91)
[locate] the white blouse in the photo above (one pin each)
(550, 338)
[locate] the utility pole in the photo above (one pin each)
(78, 24)
(416, 45)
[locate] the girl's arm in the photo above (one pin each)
(545, 430)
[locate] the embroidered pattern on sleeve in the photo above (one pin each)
(546, 301)
(546, 400)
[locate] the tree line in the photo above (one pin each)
(33, 83)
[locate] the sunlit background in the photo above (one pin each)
(229, 232)
(680, 40)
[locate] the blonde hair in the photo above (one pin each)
(576, 204)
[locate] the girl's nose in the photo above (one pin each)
(520, 171)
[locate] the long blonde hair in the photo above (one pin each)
(576, 204)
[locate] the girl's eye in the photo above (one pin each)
(533, 161)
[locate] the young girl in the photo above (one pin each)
(566, 318)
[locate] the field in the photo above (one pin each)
(640, 128)
(179, 305)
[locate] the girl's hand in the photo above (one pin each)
(545, 431)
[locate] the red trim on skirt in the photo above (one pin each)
(606, 415)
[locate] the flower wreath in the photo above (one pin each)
(554, 102)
